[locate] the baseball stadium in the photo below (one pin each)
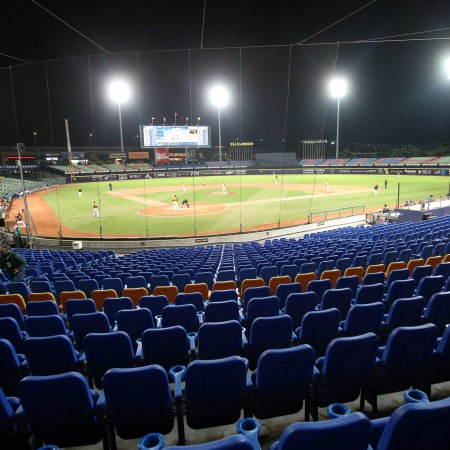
(224, 241)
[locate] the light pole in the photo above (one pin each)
(187, 121)
(34, 137)
(90, 140)
(164, 121)
(338, 88)
(219, 97)
(152, 120)
(198, 121)
(119, 92)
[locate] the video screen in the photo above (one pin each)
(153, 136)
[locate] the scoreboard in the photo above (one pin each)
(154, 136)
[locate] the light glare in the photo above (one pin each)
(338, 87)
(218, 96)
(119, 91)
(447, 67)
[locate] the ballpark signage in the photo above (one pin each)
(161, 156)
(138, 155)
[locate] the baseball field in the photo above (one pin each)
(217, 205)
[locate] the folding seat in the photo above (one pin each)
(433, 261)
(344, 370)
(193, 298)
(220, 340)
(319, 328)
(254, 292)
(104, 351)
(18, 287)
(64, 296)
(135, 294)
(221, 311)
(251, 283)
(51, 355)
(351, 432)
(170, 292)
(159, 280)
(70, 423)
(420, 272)
(180, 280)
(10, 330)
(138, 401)
(402, 361)
(267, 273)
(113, 283)
(183, 315)
(430, 285)
(343, 264)
(399, 289)
(281, 381)
(373, 268)
(404, 312)
(268, 333)
(283, 290)
(11, 434)
(357, 270)
(331, 275)
(325, 266)
(42, 326)
(42, 308)
(363, 318)
(298, 262)
(154, 303)
(79, 306)
(308, 267)
(202, 392)
(395, 265)
(136, 282)
(13, 311)
(415, 425)
(261, 307)
(439, 249)
(88, 286)
(389, 257)
(204, 277)
(226, 275)
(290, 270)
(16, 299)
(337, 298)
(404, 255)
(40, 286)
(246, 273)
(13, 367)
(438, 310)
(224, 285)
(359, 261)
(298, 304)
(275, 281)
(350, 282)
(442, 269)
(134, 322)
(83, 324)
(167, 347)
(319, 287)
(112, 305)
(425, 253)
(413, 263)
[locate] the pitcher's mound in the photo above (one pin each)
(167, 211)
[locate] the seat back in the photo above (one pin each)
(183, 315)
(135, 294)
(406, 312)
(50, 355)
(204, 277)
(350, 282)
(198, 287)
(40, 286)
(254, 292)
(112, 305)
(10, 330)
(11, 367)
(139, 401)
(18, 287)
(339, 299)
(276, 281)
(364, 318)
(79, 306)
(430, 285)
(105, 351)
(221, 311)
(68, 423)
(180, 280)
(319, 287)
(262, 307)
(351, 432)
(251, 282)
(113, 283)
(418, 425)
(281, 379)
(284, 290)
(211, 383)
(17, 299)
(154, 303)
(397, 274)
(13, 311)
(167, 347)
(83, 324)
(42, 308)
(357, 270)
(220, 296)
(399, 289)
(331, 275)
(229, 285)
(88, 286)
(370, 293)
(219, 340)
(420, 272)
(271, 332)
(438, 310)
(134, 322)
(193, 298)
(298, 304)
(136, 282)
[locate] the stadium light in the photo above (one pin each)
(219, 97)
(338, 88)
(119, 92)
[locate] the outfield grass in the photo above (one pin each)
(252, 200)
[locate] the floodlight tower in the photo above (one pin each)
(119, 92)
(219, 97)
(338, 88)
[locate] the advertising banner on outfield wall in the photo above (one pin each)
(161, 156)
(138, 155)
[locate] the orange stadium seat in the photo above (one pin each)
(197, 287)
(99, 296)
(274, 282)
(304, 279)
(17, 299)
(169, 291)
(69, 295)
(396, 265)
(413, 263)
(331, 275)
(358, 271)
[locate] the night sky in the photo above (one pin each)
(399, 92)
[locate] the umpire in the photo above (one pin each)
(14, 263)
